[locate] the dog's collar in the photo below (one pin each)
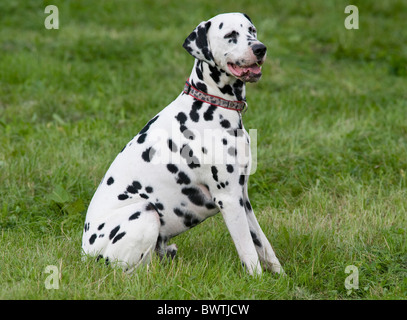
(239, 106)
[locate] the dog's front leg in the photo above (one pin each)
(262, 244)
(237, 224)
(263, 247)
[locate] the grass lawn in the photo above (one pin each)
(331, 119)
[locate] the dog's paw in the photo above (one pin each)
(171, 250)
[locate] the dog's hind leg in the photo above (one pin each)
(125, 237)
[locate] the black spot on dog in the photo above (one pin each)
(135, 216)
(225, 123)
(188, 134)
(183, 178)
(215, 74)
(208, 115)
(198, 70)
(110, 181)
(134, 187)
(144, 196)
(173, 147)
(221, 25)
(241, 202)
(190, 220)
(194, 195)
(150, 207)
(142, 138)
(201, 87)
(181, 117)
(122, 196)
(256, 240)
(214, 171)
(179, 212)
(220, 203)
(194, 115)
(118, 237)
(188, 154)
(113, 232)
(210, 205)
(227, 89)
(248, 205)
(232, 151)
(147, 126)
(148, 154)
(241, 179)
(238, 89)
(159, 206)
(92, 238)
(235, 132)
(101, 226)
(229, 168)
(172, 168)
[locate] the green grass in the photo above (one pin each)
(330, 110)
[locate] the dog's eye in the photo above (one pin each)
(252, 30)
(231, 35)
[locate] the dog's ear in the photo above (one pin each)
(197, 43)
(247, 17)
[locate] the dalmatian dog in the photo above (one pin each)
(189, 162)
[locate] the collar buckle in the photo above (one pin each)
(244, 109)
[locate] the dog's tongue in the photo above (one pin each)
(240, 71)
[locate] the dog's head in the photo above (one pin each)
(229, 41)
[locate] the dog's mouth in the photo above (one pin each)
(251, 73)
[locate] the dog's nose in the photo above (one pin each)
(259, 50)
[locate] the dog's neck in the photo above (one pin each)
(217, 82)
